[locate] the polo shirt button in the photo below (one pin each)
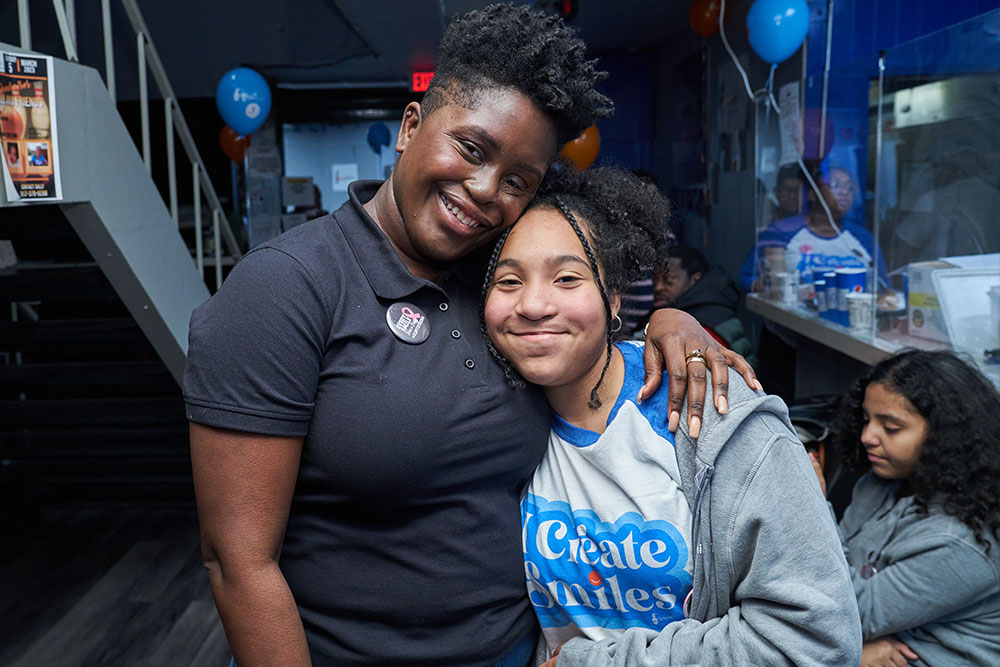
(455, 333)
(469, 363)
(442, 307)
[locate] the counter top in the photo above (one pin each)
(866, 349)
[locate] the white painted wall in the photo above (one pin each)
(311, 150)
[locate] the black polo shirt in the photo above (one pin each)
(403, 543)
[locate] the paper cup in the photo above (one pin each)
(861, 311)
(773, 263)
(787, 286)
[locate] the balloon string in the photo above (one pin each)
(771, 104)
(739, 67)
(769, 89)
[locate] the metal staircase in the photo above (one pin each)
(94, 314)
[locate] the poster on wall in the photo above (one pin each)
(343, 175)
(790, 123)
(28, 128)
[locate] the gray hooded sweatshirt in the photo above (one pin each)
(933, 585)
(770, 583)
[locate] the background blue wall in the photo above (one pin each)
(862, 28)
(929, 38)
(628, 137)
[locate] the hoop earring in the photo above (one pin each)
(616, 320)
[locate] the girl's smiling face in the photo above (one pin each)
(544, 310)
(893, 433)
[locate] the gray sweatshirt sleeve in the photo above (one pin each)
(935, 573)
(792, 602)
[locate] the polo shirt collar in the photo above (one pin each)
(378, 260)
(383, 268)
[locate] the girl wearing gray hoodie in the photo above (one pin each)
(921, 532)
(710, 546)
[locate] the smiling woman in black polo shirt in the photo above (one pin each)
(358, 458)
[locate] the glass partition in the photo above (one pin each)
(898, 243)
(933, 190)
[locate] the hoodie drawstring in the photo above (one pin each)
(700, 527)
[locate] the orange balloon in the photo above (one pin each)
(705, 17)
(583, 150)
(233, 145)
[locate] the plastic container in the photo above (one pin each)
(861, 312)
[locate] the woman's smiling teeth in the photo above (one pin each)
(457, 212)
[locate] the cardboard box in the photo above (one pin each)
(297, 191)
(923, 310)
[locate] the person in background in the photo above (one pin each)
(637, 296)
(843, 188)
(922, 531)
(787, 193)
(687, 282)
(357, 457)
(644, 547)
(812, 244)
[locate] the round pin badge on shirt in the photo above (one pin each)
(408, 323)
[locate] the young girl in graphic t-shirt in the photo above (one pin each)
(709, 547)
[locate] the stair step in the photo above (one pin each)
(147, 376)
(102, 468)
(50, 265)
(19, 221)
(55, 284)
(83, 340)
(42, 232)
(43, 333)
(49, 413)
(71, 491)
(104, 438)
(74, 455)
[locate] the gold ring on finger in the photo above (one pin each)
(695, 355)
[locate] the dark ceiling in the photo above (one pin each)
(307, 43)
(312, 43)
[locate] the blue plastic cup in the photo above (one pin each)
(820, 287)
(848, 281)
(831, 296)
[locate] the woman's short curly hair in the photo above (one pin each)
(959, 467)
(622, 222)
(506, 46)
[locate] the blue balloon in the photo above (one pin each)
(243, 99)
(378, 136)
(776, 28)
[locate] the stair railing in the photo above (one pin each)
(174, 121)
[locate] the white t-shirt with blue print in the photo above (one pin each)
(807, 252)
(606, 527)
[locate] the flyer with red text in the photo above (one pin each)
(28, 128)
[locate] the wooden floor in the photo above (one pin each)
(109, 586)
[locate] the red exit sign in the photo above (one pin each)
(421, 81)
